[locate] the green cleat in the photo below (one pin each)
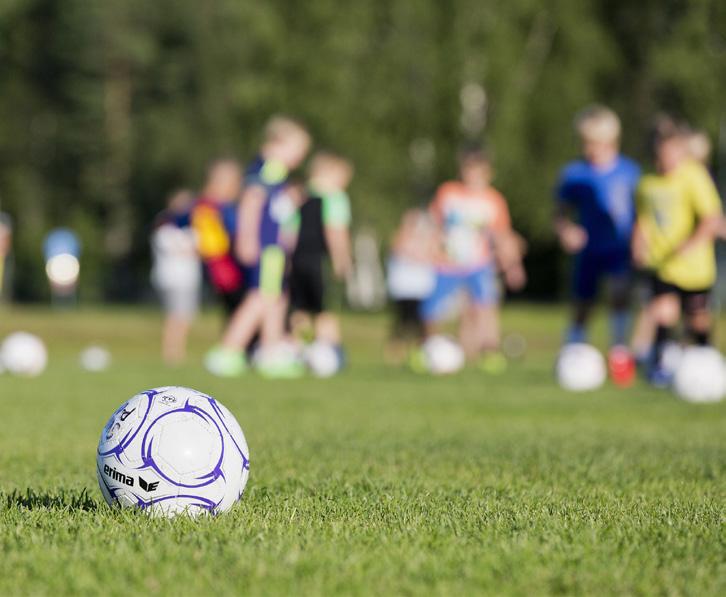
(223, 362)
(493, 363)
(417, 361)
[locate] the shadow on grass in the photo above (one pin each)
(62, 499)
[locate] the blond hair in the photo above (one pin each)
(699, 146)
(324, 161)
(598, 123)
(282, 128)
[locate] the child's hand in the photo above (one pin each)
(573, 238)
(515, 278)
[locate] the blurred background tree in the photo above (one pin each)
(106, 107)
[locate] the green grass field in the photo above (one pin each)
(375, 482)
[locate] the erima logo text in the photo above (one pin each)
(117, 476)
(126, 413)
(148, 486)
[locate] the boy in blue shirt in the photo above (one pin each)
(266, 208)
(599, 191)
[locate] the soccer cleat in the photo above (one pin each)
(281, 361)
(660, 378)
(417, 361)
(621, 365)
(223, 362)
(493, 363)
(281, 369)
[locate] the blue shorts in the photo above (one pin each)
(591, 268)
(481, 285)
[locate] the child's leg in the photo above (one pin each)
(699, 321)
(666, 309)
(585, 282)
(619, 309)
(643, 333)
(174, 339)
(434, 307)
(273, 321)
(327, 328)
(484, 294)
(488, 328)
(245, 321)
(577, 332)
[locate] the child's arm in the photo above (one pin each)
(706, 231)
(336, 222)
(572, 237)
(638, 247)
(707, 207)
(509, 249)
(247, 243)
(338, 240)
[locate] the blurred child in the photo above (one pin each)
(679, 214)
(214, 221)
(176, 275)
(411, 278)
(699, 148)
(599, 189)
(323, 224)
(474, 223)
(266, 207)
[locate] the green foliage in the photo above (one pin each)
(108, 106)
(378, 481)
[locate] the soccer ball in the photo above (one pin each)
(443, 355)
(700, 376)
(95, 359)
(170, 451)
(24, 354)
(580, 368)
(322, 359)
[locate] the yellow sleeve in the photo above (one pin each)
(703, 193)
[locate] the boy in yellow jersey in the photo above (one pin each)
(679, 212)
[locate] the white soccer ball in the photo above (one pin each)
(580, 368)
(172, 451)
(700, 376)
(95, 359)
(322, 359)
(24, 354)
(443, 355)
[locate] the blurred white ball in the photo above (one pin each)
(700, 376)
(580, 368)
(24, 354)
(322, 359)
(443, 355)
(95, 359)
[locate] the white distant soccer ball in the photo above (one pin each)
(443, 355)
(700, 376)
(322, 359)
(580, 368)
(95, 359)
(173, 450)
(24, 354)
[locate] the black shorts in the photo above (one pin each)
(691, 300)
(408, 323)
(307, 286)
